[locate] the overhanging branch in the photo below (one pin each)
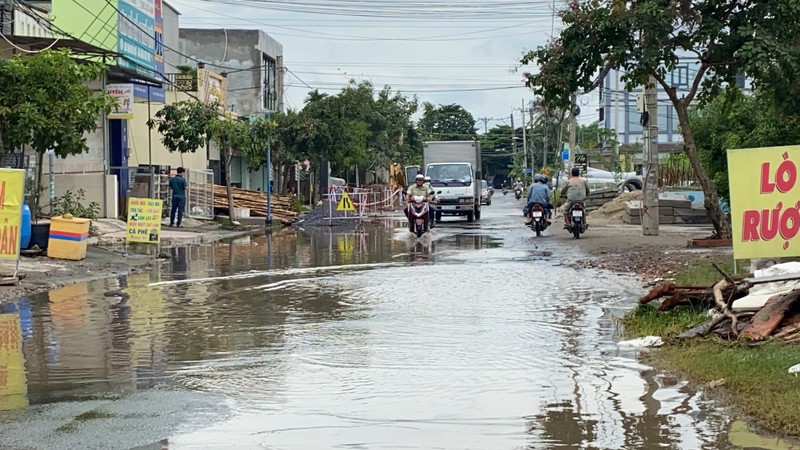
(600, 77)
(698, 78)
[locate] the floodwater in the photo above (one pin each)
(477, 338)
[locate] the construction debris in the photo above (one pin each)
(255, 202)
(775, 313)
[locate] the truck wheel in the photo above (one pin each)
(470, 217)
(438, 217)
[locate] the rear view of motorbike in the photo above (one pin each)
(577, 223)
(539, 221)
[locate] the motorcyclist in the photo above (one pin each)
(575, 189)
(519, 185)
(431, 198)
(418, 189)
(539, 193)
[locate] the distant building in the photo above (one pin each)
(618, 110)
(252, 60)
(252, 63)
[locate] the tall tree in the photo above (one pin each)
(46, 104)
(721, 38)
(748, 121)
(189, 125)
(447, 123)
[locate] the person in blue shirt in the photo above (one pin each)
(539, 193)
(177, 185)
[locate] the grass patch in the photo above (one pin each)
(756, 378)
(646, 320)
(703, 274)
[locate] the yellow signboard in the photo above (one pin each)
(12, 192)
(345, 204)
(144, 220)
(13, 387)
(765, 201)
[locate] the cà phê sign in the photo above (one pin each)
(765, 217)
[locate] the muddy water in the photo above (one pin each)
(468, 340)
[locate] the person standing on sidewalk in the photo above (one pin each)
(177, 185)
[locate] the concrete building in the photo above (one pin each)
(252, 60)
(252, 63)
(619, 106)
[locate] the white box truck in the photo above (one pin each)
(455, 171)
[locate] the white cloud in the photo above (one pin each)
(457, 58)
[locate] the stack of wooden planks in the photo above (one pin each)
(255, 201)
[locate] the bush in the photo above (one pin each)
(72, 203)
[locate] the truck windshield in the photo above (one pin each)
(449, 174)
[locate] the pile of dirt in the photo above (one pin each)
(612, 212)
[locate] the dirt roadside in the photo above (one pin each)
(42, 274)
(622, 248)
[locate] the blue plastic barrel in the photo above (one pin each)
(25, 235)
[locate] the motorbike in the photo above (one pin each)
(418, 212)
(518, 193)
(505, 191)
(539, 221)
(577, 223)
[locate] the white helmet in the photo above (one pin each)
(420, 177)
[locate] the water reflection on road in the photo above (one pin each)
(321, 340)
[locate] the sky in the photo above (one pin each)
(443, 51)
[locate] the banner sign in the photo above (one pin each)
(12, 197)
(144, 220)
(123, 93)
(765, 204)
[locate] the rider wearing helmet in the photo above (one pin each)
(431, 199)
(419, 188)
(538, 193)
(575, 189)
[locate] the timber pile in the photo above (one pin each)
(779, 318)
(256, 202)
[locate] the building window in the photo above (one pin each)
(680, 76)
(663, 118)
(634, 126)
(270, 93)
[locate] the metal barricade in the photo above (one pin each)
(200, 194)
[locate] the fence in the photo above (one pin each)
(200, 194)
(136, 182)
(365, 201)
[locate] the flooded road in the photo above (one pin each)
(477, 338)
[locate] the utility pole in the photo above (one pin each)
(533, 147)
(546, 123)
(649, 212)
(524, 138)
(485, 125)
(616, 115)
(573, 133)
(513, 135)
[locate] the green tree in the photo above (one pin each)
(649, 38)
(189, 125)
(46, 104)
(359, 127)
(748, 121)
(447, 123)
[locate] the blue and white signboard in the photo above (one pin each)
(141, 42)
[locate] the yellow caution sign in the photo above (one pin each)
(345, 204)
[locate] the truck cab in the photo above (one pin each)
(454, 169)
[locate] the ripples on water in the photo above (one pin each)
(480, 348)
